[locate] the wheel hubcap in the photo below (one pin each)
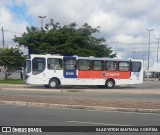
(110, 84)
(53, 84)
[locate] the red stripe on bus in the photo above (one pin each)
(104, 74)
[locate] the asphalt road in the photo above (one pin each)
(134, 93)
(30, 116)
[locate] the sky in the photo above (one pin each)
(123, 23)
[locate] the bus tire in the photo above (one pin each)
(53, 83)
(110, 83)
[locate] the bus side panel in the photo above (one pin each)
(36, 79)
(104, 74)
(53, 74)
(116, 74)
(121, 81)
(89, 81)
(90, 74)
(136, 78)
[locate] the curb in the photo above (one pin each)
(137, 91)
(98, 108)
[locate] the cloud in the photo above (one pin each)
(121, 21)
(12, 22)
(109, 22)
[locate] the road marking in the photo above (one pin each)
(93, 123)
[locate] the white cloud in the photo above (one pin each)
(120, 20)
(11, 25)
(109, 22)
(5, 16)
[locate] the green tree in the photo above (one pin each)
(10, 61)
(66, 40)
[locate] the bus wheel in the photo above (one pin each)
(53, 83)
(110, 83)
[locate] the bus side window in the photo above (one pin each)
(70, 64)
(84, 64)
(111, 65)
(54, 64)
(123, 66)
(97, 65)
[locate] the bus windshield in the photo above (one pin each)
(28, 66)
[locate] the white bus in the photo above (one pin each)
(55, 70)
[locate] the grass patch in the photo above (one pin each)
(12, 81)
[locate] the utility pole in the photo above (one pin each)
(149, 46)
(157, 48)
(133, 54)
(3, 37)
(42, 17)
(143, 59)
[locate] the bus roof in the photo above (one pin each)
(79, 57)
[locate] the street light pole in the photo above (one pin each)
(149, 46)
(42, 17)
(143, 60)
(3, 37)
(157, 48)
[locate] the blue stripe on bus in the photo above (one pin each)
(69, 73)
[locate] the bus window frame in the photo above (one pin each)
(60, 60)
(98, 65)
(123, 66)
(105, 64)
(89, 66)
(75, 65)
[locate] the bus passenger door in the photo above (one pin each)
(38, 70)
(70, 66)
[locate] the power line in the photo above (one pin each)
(137, 48)
(115, 42)
(3, 39)
(13, 32)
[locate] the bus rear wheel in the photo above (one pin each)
(110, 83)
(53, 83)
